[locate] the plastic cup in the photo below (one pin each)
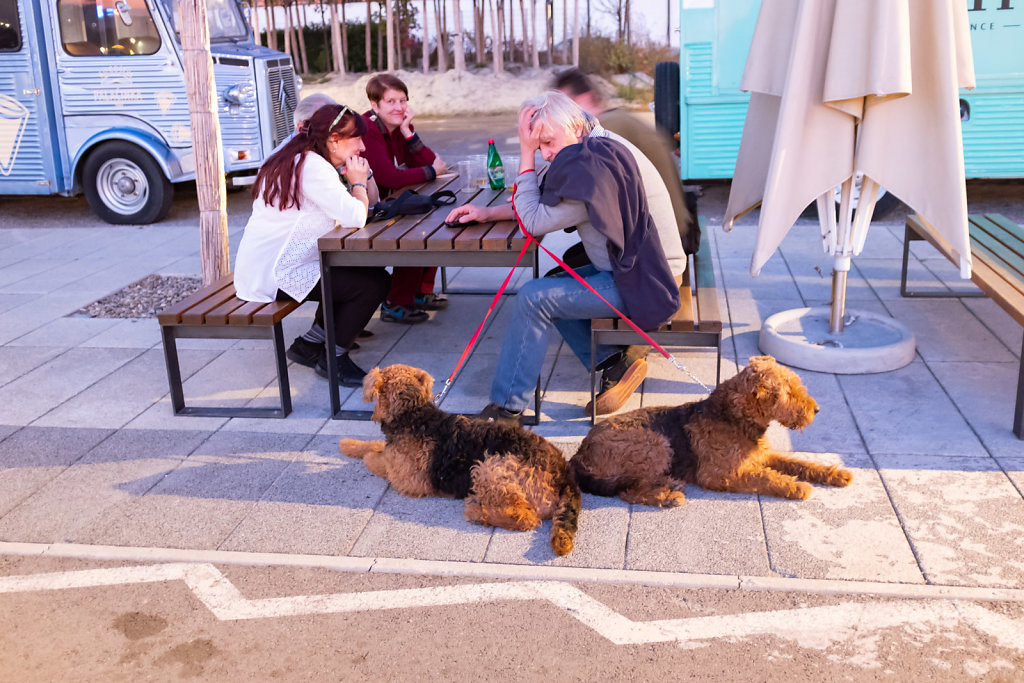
(511, 165)
(465, 171)
(478, 171)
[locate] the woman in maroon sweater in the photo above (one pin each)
(398, 158)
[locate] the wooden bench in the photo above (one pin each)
(214, 312)
(997, 255)
(698, 322)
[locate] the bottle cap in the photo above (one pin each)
(490, 142)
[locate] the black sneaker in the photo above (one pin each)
(430, 302)
(620, 380)
(392, 313)
(349, 374)
(495, 413)
(305, 352)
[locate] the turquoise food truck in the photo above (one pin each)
(93, 101)
(715, 37)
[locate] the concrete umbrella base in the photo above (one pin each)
(868, 343)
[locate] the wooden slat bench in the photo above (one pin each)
(698, 322)
(214, 312)
(997, 255)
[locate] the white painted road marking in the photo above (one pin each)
(813, 627)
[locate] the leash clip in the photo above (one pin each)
(444, 390)
(681, 367)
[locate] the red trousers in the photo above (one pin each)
(408, 281)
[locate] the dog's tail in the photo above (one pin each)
(567, 515)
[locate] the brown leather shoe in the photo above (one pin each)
(615, 396)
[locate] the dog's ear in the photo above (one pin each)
(761, 362)
(371, 384)
(424, 379)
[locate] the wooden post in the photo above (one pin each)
(256, 22)
(576, 33)
(206, 141)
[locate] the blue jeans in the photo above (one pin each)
(561, 302)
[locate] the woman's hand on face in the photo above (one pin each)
(406, 125)
(357, 169)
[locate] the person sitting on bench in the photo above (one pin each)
(628, 229)
(297, 197)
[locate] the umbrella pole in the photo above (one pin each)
(835, 320)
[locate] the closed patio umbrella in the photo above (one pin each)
(848, 89)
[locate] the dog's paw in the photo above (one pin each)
(672, 499)
(841, 477)
(561, 542)
(801, 491)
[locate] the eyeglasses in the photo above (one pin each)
(344, 110)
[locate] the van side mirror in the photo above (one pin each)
(247, 11)
(124, 11)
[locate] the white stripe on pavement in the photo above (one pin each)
(813, 627)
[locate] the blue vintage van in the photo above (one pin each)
(715, 36)
(93, 101)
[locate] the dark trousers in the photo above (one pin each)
(356, 294)
(408, 281)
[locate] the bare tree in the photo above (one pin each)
(497, 48)
(478, 30)
(526, 30)
(534, 43)
(389, 7)
(565, 31)
(255, 18)
(300, 35)
(460, 53)
(441, 19)
(271, 25)
(576, 33)
(369, 45)
(426, 40)
(620, 9)
(337, 45)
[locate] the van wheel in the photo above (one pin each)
(124, 185)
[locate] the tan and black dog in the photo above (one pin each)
(509, 477)
(646, 456)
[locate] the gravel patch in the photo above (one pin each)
(142, 299)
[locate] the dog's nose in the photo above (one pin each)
(817, 409)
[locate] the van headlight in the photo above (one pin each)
(241, 94)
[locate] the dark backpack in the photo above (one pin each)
(410, 202)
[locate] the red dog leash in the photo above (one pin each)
(568, 269)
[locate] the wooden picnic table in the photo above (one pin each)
(420, 240)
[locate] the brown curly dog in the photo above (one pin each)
(509, 477)
(646, 456)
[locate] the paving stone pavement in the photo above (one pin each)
(90, 453)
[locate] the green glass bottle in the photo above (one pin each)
(495, 171)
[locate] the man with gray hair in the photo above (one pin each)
(306, 107)
(619, 205)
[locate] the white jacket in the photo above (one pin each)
(279, 248)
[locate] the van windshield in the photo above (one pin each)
(225, 19)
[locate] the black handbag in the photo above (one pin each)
(410, 202)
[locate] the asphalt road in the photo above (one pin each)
(94, 620)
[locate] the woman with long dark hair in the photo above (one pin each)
(297, 197)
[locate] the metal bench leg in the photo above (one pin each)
(908, 235)
(718, 362)
(173, 369)
(282, 371)
(593, 383)
(1018, 410)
